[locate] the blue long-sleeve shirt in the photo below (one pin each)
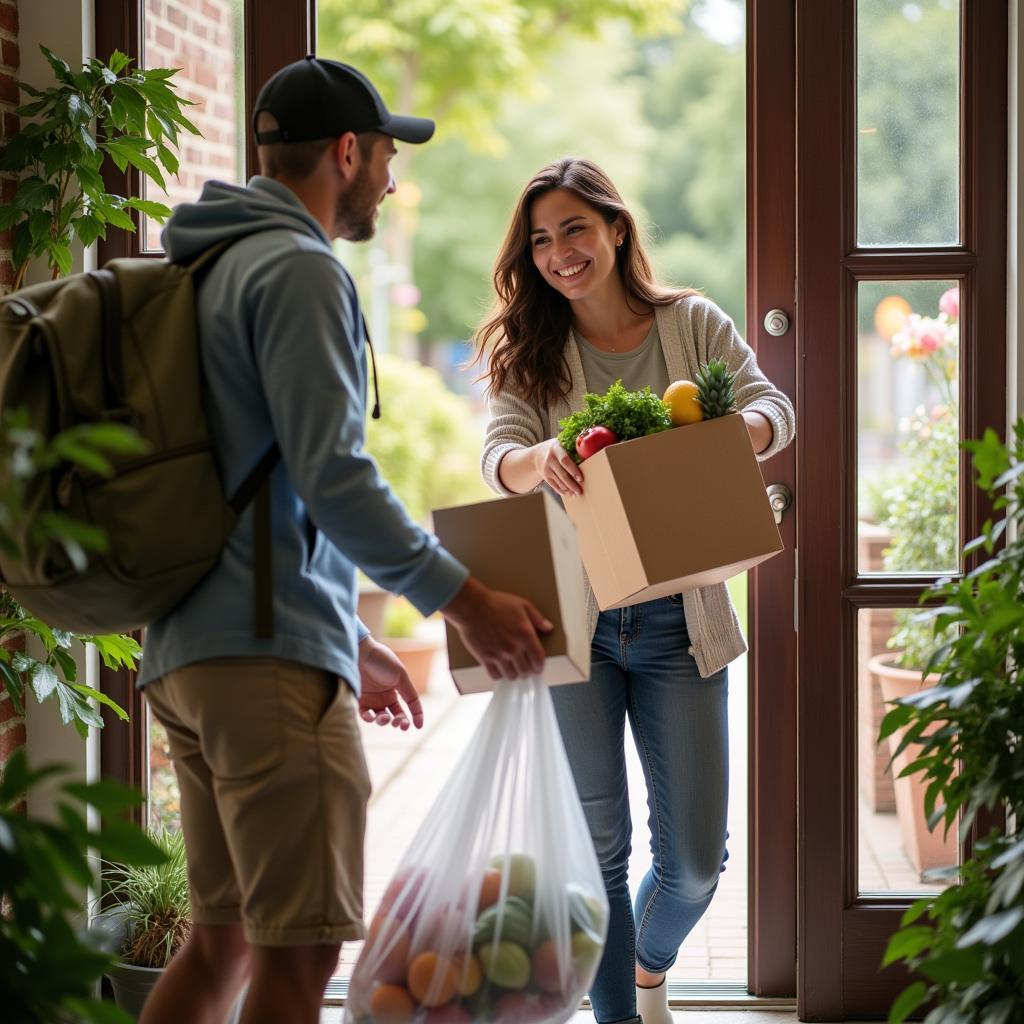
(283, 355)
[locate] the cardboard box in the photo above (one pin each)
(671, 512)
(525, 545)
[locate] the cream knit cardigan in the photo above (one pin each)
(692, 331)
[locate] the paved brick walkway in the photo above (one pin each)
(408, 771)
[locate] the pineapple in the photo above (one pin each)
(714, 389)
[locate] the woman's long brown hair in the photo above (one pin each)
(524, 337)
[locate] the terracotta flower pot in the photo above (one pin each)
(417, 655)
(926, 849)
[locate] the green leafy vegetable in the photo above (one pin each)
(629, 414)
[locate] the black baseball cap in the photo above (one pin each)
(321, 99)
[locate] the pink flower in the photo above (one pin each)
(929, 342)
(950, 303)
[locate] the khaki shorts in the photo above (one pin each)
(274, 789)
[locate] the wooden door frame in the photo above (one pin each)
(841, 934)
(771, 280)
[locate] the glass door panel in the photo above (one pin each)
(908, 123)
(896, 849)
(204, 39)
(908, 426)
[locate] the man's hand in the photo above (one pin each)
(499, 630)
(384, 684)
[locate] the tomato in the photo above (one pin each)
(593, 439)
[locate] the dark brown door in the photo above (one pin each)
(771, 285)
(901, 267)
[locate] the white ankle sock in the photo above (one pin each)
(652, 1004)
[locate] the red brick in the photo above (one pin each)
(8, 186)
(6, 272)
(9, 91)
(6, 708)
(12, 125)
(9, 53)
(11, 740)
(6, 243)
(176, 16)
(9, 16)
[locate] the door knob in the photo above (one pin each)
(780, 497)
(776, 322)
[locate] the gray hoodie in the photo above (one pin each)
(283, 356)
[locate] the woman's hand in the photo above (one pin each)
(556, 468)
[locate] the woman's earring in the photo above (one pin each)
(618, 244)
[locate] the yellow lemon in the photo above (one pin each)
(683, 407)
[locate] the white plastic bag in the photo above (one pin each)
(497, 912)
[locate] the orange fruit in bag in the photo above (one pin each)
(544, 968)
(490, 889)
(391, 1004)
(394, 936)
(469, 972)
(432, 979)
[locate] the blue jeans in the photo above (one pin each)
(641, 670)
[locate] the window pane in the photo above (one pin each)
(204, 39)
(908, 122)
(896, 849)
(908, 426)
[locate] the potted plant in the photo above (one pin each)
(966, 944)
(918, 509)
(48, 968)
(416, 652)
(148, 915)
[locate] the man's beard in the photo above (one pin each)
(354, 213)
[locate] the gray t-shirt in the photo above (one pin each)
(642, 366)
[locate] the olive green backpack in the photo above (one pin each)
(121, 345)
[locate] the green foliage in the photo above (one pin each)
(61, 196)
(23, 455)
(425, 442)
(153, 902)
(907, 116)
(629, 414)
(48, 971)
(458, 59)
(694, 100)
(968, 734)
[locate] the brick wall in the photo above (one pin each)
(12, 726)
(199, 36)
(9, 99)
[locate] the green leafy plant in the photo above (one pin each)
(967, 943)
(152, 901)
(104, 112)
(60, 155)
(48, 967)
(629, 414)
(53, 674)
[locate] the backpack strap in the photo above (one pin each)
(110, 343)
(256, 488)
